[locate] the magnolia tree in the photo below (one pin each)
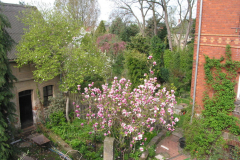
(128, 115)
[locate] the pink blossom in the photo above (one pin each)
(151, 129)
(90, 132)
(77, 111)
(141, 149)
(87, 96)
(82, 124)
(73, 103)
(77, 106)
(149, 57)
(151, 72)
(154, 63)
(78, 115)
(176, 119)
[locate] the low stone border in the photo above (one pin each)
(61, 143)
(154, 141)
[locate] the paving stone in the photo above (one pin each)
(159, 156)
(169, 145)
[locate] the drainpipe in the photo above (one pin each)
(196, 70)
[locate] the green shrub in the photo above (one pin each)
(136, 65)
(151, 151)
(57, 104)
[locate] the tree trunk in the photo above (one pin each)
(167, 24)
(67, 108)
(189, 24)
(154, 19)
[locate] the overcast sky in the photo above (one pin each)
(105, 5)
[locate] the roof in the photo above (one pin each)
(16, 30)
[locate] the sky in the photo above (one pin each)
(105, 6)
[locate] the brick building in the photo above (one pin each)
(219, 26)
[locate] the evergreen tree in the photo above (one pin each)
(7, 108)
(100, 29)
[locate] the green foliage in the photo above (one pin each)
(7, 108)
(100, 29)
(179, 65)
(157, 50)
(78, 137)
(161, 28)
(53, 45)
(139, 43)
(204, 135)
(220, 78)
(57, 103)
(151, 151)
(118, 66)
(131, 31)
(97, 79)
(55, 119)
(123, 30)
(136, 64)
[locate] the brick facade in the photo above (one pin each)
(218, 19)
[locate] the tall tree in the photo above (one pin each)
(123, 30)
(100, 29)
(7, 108)
(85, 11)
(128, 6)
(57, 47)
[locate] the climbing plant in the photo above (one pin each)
(204, 135)
(220, 78)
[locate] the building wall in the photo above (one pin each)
(218, 19)
(26, 82)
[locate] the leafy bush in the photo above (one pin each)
(55, 119)
(139, 43)
(136, 65)
(97, 79)
(57, 104)
(151, 151)
(157, 49)
(179, 64)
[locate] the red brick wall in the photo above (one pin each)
(218, 18)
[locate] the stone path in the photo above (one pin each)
(169, 148)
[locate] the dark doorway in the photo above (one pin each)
(25, 104)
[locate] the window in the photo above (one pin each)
(47, 92)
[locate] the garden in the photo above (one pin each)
(123, 84)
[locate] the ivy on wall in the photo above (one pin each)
(204, 134)
(220, 78)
